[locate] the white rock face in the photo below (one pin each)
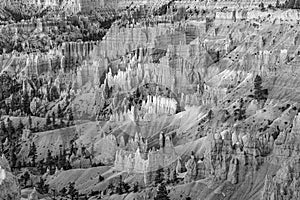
(9, 188)
(2, 175)
(33, 195)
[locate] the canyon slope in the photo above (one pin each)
(151, 100)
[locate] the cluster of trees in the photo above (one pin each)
(9, 139)
(165, 175)
(42, 187)
(15, 101)
(120, 187)
(53, 162)
(24, 11)
(115, 187)
(288, 4)
(93, 28)
(162, 193)
(240, 112)
(76, 27)
(51, 119)
(71, 193)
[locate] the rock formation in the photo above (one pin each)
(9, 185)
(147, 161)
(191, 170)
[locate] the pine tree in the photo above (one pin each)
(159, 176)
(262, 6)
(3, 131)
(135, 187)
(111, 187)
(10, 129)
(173, 175)
(257, 87)
(72, 190)
(13, 157)
(41, 186)
(100, 178)
(277, 4)
(26, 177)
(30, 121)
(70, 117)
(60, 114)
(25, 104)
(53, 118)
(49, 159)
(162, 193)
(63, 191)
(119, 187)
(48, 120)
(20, 128)
(33, 153)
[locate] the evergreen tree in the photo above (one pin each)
(72, 191)
(53, 118)
(173, 175)
(20, 128)
(135, 187)
(25, 103)
(111, 187)
(258, 87)
(48, 120)
(3, 131)
(159, 176)
(33, 153)
(63, 191)
(162, 193)
(26, 177)
(60, 114)
(262, 6)
(119, 187)
(13, 157)
(41, 186)
(30, 121)
(10, 129)
(70, 117)
(277, 4)
(122, 187)
(100, 178)
(49, 159)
